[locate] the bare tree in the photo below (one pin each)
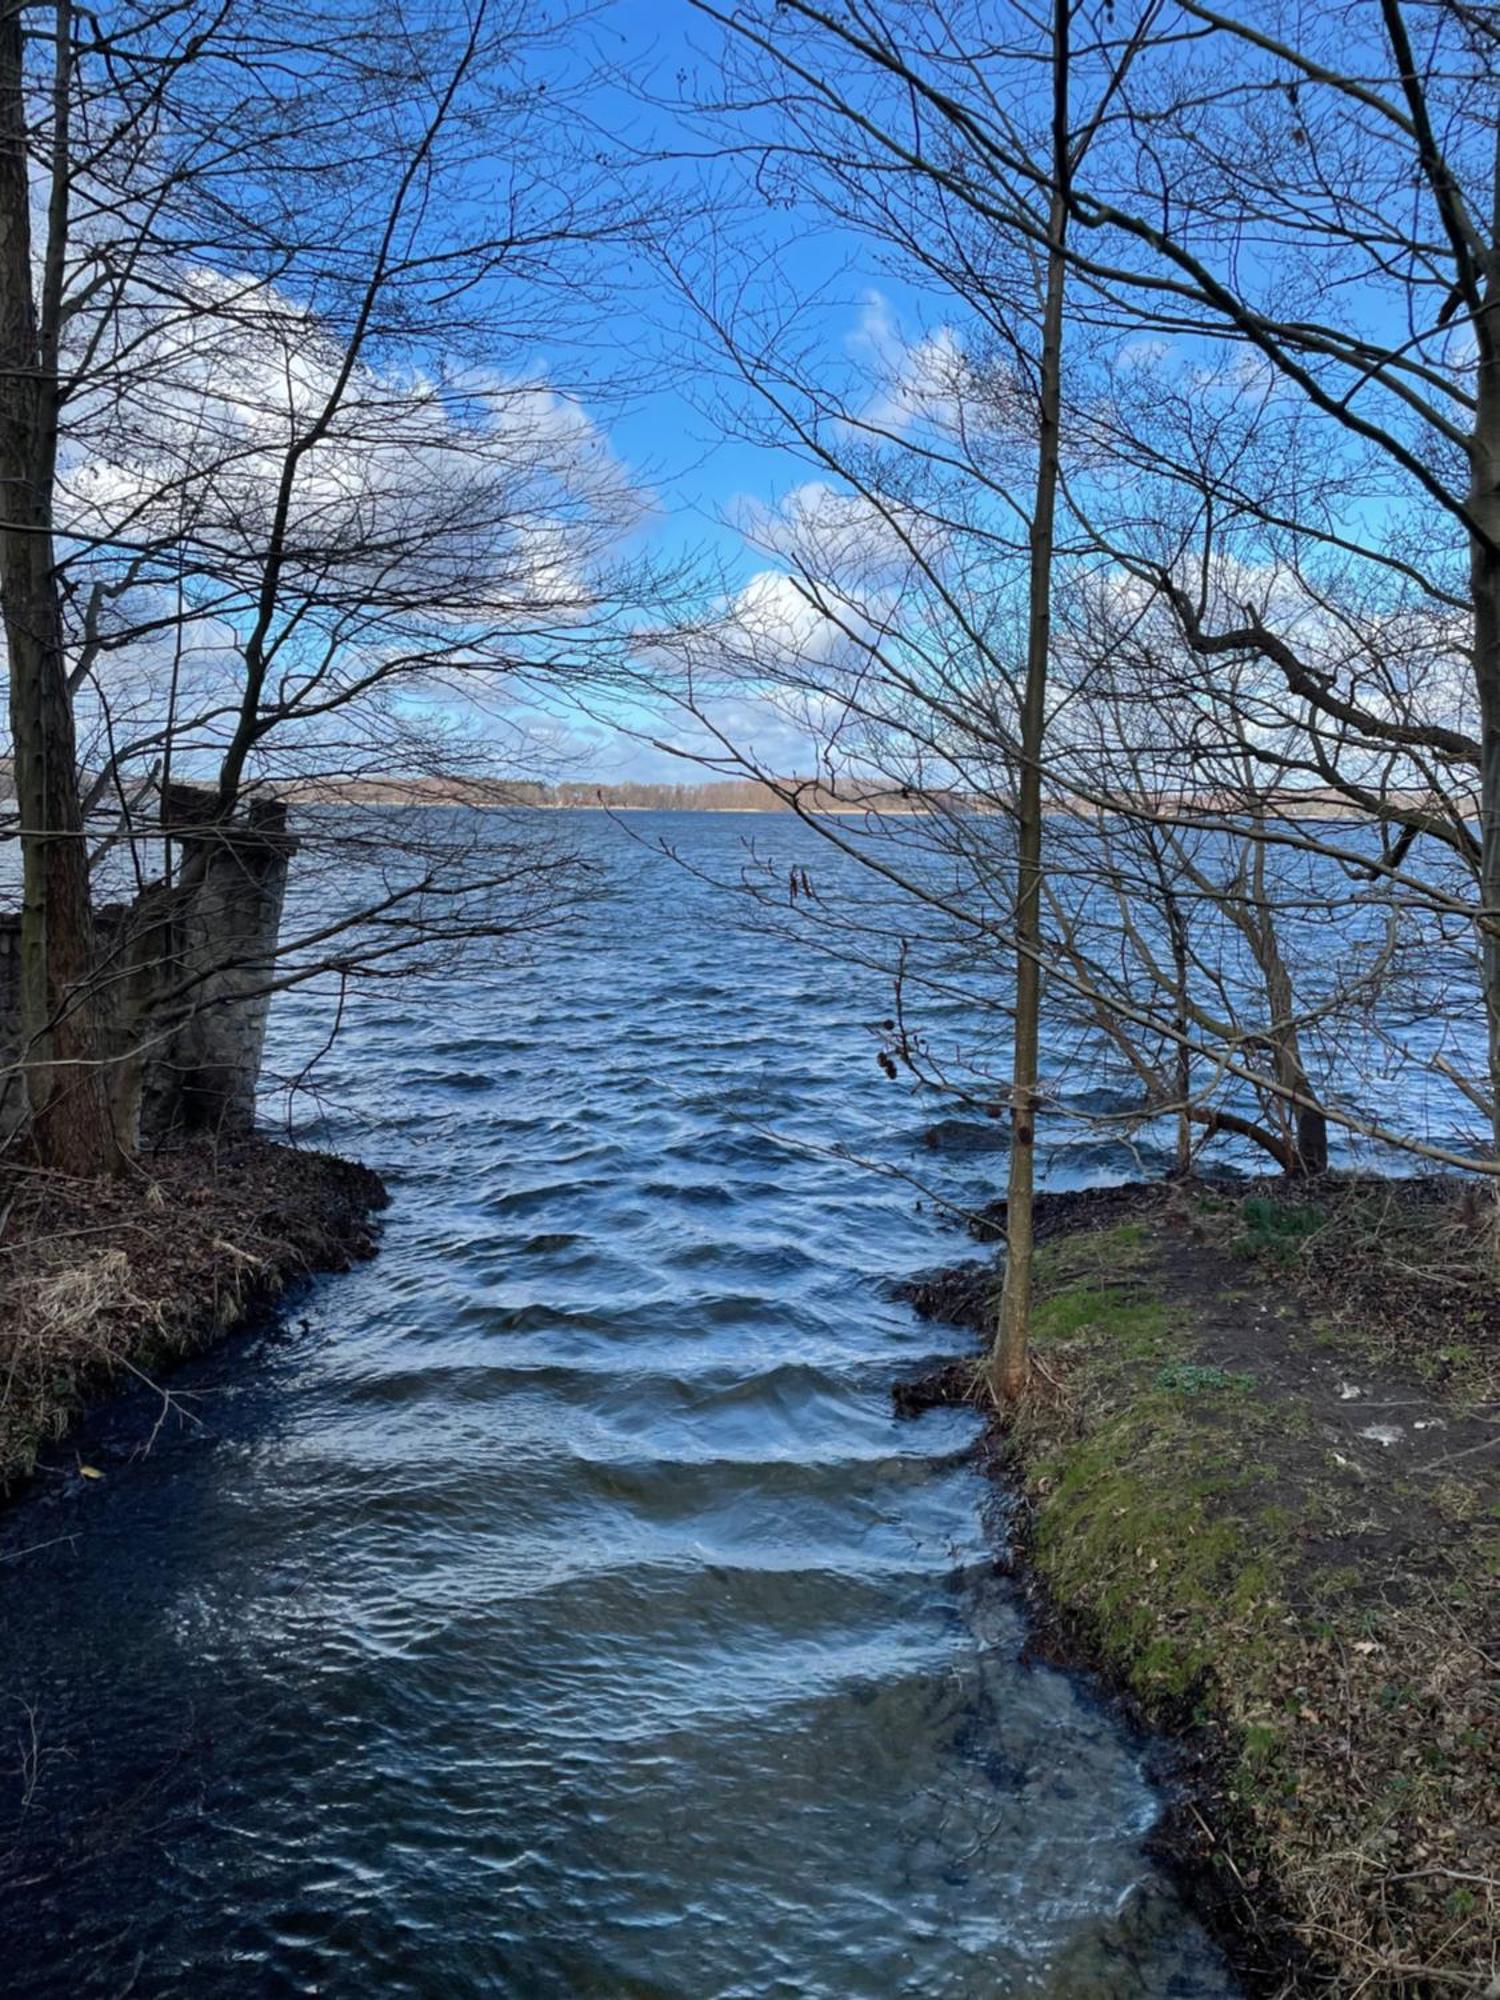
(314, 511)
(1354, 148)
(67, 1100)
(1015, 277)
(1009, 1365)
(1268, 440)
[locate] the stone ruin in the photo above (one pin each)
(182, 974)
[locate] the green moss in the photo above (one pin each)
(1260, 1744)
(1278, 1520)
(1277, 1230)
(1133, 1519)
(1127, 1526)
(1094, 1284)
(1134, 1326)
(1188, 1378)
(1185, 1512)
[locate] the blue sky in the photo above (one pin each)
(702, 478)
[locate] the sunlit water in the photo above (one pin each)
(553, 1607)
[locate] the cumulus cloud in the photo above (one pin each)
(776, 619)
(478, 497)
(850, 541)
(916, 382)
(432, 521)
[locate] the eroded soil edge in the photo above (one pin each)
(103, 1282)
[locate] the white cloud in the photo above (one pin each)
(851, 542)
(494, 492)
(914, 382)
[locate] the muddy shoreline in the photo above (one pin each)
(1294, 1725)
(106, 1285)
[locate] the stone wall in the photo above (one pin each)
(183, 981)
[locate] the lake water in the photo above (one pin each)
(553, 1607)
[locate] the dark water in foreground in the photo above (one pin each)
(552, 1607)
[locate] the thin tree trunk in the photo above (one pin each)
(65, 1087)
(1484, 571)
(1182, 1060)
(1307, 1125)
(1009, 1360)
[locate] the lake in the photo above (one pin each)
(553, 1607)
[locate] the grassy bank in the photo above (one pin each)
(101, 1282)
(1259, 1488)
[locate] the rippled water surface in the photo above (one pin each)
(553, 1607)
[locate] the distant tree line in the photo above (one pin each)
(728, 795)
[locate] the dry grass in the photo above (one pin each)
(103, 1279)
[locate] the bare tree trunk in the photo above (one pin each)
(1182, 1057)
(1009, 1360)
(1308, 1127)
(1484, 570)
(70, 1122)
(1308, 1135)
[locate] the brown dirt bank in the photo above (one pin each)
(103, 1280)
(1257, 1487)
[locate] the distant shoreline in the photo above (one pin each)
(1276, 812)
(740, 798)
